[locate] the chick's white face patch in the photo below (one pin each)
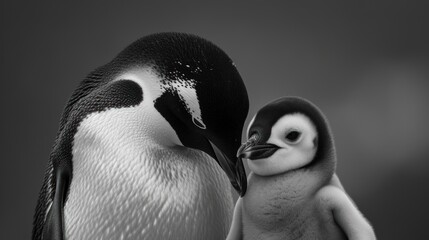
(185, 89)
(291, 154)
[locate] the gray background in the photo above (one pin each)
(365, 64)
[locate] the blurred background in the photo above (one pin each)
(365, 64)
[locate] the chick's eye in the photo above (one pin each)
(293, 135)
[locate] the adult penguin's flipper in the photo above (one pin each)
(54, 224)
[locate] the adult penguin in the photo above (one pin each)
(293, 191)
(144, 144)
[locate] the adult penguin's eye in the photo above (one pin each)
(293, 136)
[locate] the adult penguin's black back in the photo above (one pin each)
(177, 104)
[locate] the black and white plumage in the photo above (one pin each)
(293, 191)
(139, 146)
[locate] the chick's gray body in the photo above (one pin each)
(285, 207)
(137, 151)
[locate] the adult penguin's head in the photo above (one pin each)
(198, 91)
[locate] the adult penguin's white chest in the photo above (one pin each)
(126, 186)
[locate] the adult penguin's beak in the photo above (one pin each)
(233, 167)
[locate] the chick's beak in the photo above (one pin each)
(252, 150)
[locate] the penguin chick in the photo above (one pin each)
(147, 145)
(293, 191)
